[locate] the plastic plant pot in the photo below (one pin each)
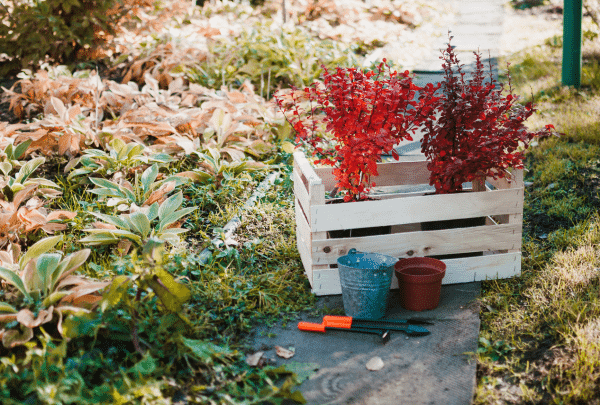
(420, 282)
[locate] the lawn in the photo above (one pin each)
(539, 333)
(123, 164)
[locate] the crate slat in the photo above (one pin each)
(463, 270)
(390, 174)
(426, 243)
(301, 192)
(303, 238)
(399, 211)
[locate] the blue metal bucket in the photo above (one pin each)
(365, 280)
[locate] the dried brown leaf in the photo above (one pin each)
(253, 359)
(160, 195)
(27, 318)
(13, 337)
(60, 214)
(285, 353)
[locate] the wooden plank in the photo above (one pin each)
(407, 244)
(390, 174)
(516, 181)
(303, 241)
(327, 176)
(316, 192)
(301, 193)
(305, 167)
(464, 270)
(326, 282)
(399, 211)
(469, 269)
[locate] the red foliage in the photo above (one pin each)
(479, 131)
(367, 112)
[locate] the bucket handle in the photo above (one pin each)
(382, 266)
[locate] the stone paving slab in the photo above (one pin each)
(432, 370)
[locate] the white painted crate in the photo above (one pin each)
(499, 239)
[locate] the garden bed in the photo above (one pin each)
(499, 239)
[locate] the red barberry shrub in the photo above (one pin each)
(478, 127)
(353, 117)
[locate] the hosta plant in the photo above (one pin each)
(155, 221)
(11, 155)
(25, 213)
(478, 130)
(145, 190)
(11, 183)
(40, 287)
(231, 137)
(122, 157)
(269, 59)
(214, 166)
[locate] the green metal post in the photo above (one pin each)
(571, 63)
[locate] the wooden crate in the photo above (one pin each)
(500, 239)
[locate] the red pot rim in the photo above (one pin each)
(435, 270)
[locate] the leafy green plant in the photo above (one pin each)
(156, 221)
(270, 59)
(144, 191)
(122, 157)
(227, 136)
(495, 351)
(215, 167)
(11, 185)
(150, 273)
(11, 154)
(42, 282)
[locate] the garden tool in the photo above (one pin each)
(408, 326)
(318, 327)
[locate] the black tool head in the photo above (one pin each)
(419, 321)
(415, 330)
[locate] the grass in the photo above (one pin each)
(540, 330)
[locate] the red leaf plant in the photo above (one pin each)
(478, 131)
(367, 113)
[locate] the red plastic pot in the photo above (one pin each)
(420, 282)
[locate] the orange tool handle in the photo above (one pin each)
(332, 321)
(311, 327)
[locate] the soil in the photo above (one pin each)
(6, 115)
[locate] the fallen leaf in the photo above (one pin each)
(375, 364)
(285, 353)
(12, 338)
(27, 318)
(253, 359)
